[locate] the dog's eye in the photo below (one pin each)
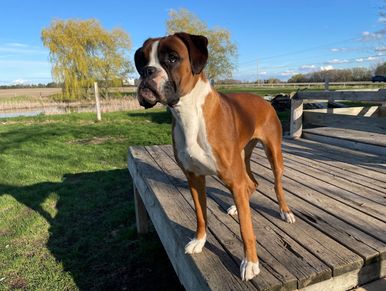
(172, 58)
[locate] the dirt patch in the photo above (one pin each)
(17, 282)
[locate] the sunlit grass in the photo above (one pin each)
(66, 212)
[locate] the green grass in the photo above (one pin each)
(67, 219)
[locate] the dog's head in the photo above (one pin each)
(169, 67)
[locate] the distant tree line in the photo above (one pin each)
(26, 86)
(339, 75)
(335, 75)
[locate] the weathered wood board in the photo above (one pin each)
(356, 139)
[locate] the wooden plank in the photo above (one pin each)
(273, 276)
(373, 286)
(369, 165)
(174, 220)
(359, 123)
(379, 95)
(367, 137)
(296, 122)
(324, 183)
(355, 111)
(350, 236)
(305, 266)
(140, 213)
(353, 216)
(340, 178)
(331, 166)
(359, 146)
(346, 281)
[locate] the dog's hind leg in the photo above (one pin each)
(197, 189)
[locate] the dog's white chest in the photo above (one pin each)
(189, 134)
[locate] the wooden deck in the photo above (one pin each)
(338, 241)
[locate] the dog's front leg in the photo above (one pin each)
(250, 265)
(197, 189)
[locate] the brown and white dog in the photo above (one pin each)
(213, 133)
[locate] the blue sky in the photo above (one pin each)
(275, 38)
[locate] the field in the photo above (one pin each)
(66, 210)
(49, 99)
(121, 98)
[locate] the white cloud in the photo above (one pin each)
(369, 59)
(288, 73)
(20, 82)
(26, 63)
(16, 44)
(22, 49)
(380, 49)
(382, 19)
(307, 68)
(369, 36)
(337, 61)
(263, 73)
(338, 49)
(326, 68)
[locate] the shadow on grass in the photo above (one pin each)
(159, 117)
(93, 232)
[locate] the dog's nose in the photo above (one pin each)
(148, 71)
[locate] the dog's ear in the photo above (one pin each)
(198, 50)
(139, 57)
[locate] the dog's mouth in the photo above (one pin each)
(148, 97)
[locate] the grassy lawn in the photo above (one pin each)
(67, 219)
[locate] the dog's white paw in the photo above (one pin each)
(248, 270)
(195, 246)
(287, 216)
(232, 210)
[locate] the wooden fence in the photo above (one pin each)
(364, 118)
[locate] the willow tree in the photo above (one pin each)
(82, 52)
(222, 51)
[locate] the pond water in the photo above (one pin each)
(17, 114)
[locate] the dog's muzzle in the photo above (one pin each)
(147, 94)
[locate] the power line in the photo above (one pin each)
(299, 51)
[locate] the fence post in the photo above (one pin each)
(98, 106)
(326, 83)
(296, 123)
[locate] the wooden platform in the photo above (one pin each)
(337, 243)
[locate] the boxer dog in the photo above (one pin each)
(213, 133)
